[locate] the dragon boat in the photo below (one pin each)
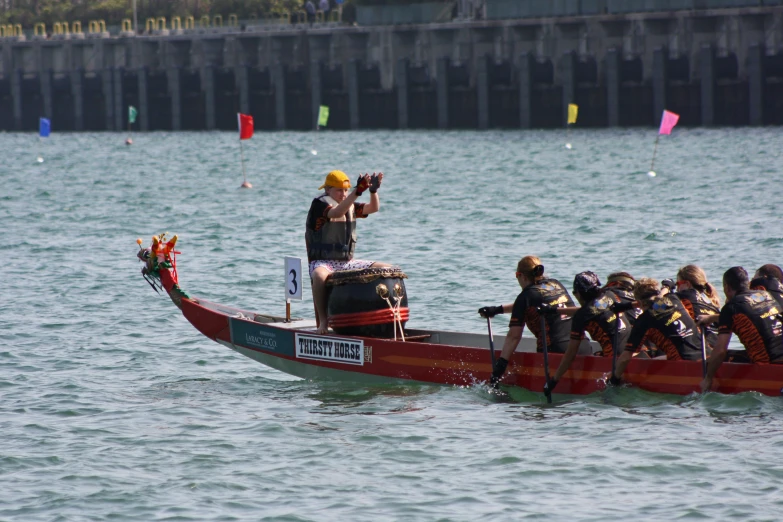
(355, 352)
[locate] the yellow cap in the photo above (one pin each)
(336, 178)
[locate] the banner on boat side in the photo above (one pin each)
(346, 351)
(259, 337)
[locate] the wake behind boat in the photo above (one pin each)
(293, 346)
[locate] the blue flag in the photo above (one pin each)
(44, 128)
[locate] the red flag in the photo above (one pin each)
(245, 122)
(668, 121)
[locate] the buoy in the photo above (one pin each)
(651, 174)
(568, 146)
(246, 184)
(129, 142)
(39, 160)
(314, 152)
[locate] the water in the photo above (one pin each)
(114, 407)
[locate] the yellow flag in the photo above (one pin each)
(573, 109)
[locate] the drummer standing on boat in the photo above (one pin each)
(331, 232)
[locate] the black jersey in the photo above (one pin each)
(771, 285)
(668, 325)
(755, 317)
(697, 303)
(597, 319)
(624, 296)
(525, 312)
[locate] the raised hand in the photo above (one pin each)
(375, 182)
(362, 184)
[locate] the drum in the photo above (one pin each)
(365, 302)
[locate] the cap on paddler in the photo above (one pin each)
(336, 178)
(586, 281)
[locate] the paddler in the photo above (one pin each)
(598, 316)
(539, 292)
(754, 316)
(665, 323)
(769, 278)
(330, 233)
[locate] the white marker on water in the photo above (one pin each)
(651, 174)
(568, 146)
(314, 152)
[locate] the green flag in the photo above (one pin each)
(323, 115)
(132, 114)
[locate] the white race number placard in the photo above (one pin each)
(293, 278)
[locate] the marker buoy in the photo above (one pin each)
(129, 142)
(39, 159)
(314, 152)
(568, 146)
(651, 174)
(246, 184)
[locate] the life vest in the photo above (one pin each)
(335, 239)
(771, 285)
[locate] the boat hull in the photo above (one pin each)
(452, 358)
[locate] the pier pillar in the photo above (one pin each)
(144, 119)
(46, 92)
(401, 82)
(660, 81)
(16, 94)
(108, 97)
(208, 87)
(568, 73)
(442, 91)
(756, 81)
(526, 64)
(77, 76)
(174, 81)
(243, 86)
(352, 73)
(119, 99)
(482, 91)
(613, 87)
(707, 70)
(278, 81)
(315, 90)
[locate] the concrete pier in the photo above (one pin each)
(720, 66)
(352, 81)
(613, 87)
(77, 77)
(707, 77)
(117, 98)
(174, 80)
(278, 82)
(143, 117)
(660, 81)
(526, 64)
(442, 92)
(402, 85)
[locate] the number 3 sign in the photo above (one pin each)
(293, 278)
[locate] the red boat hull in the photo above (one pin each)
(296, 348)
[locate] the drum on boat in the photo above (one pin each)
(366, 302)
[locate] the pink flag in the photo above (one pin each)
(668, 121)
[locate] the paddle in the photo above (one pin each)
(616, 343)
(491, 343)
(546, 355)
(703, 353)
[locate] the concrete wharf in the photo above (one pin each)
(712, 66)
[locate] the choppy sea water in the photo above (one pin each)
(115, 408)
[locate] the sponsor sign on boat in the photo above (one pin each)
(347, 351)
(259, 337)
